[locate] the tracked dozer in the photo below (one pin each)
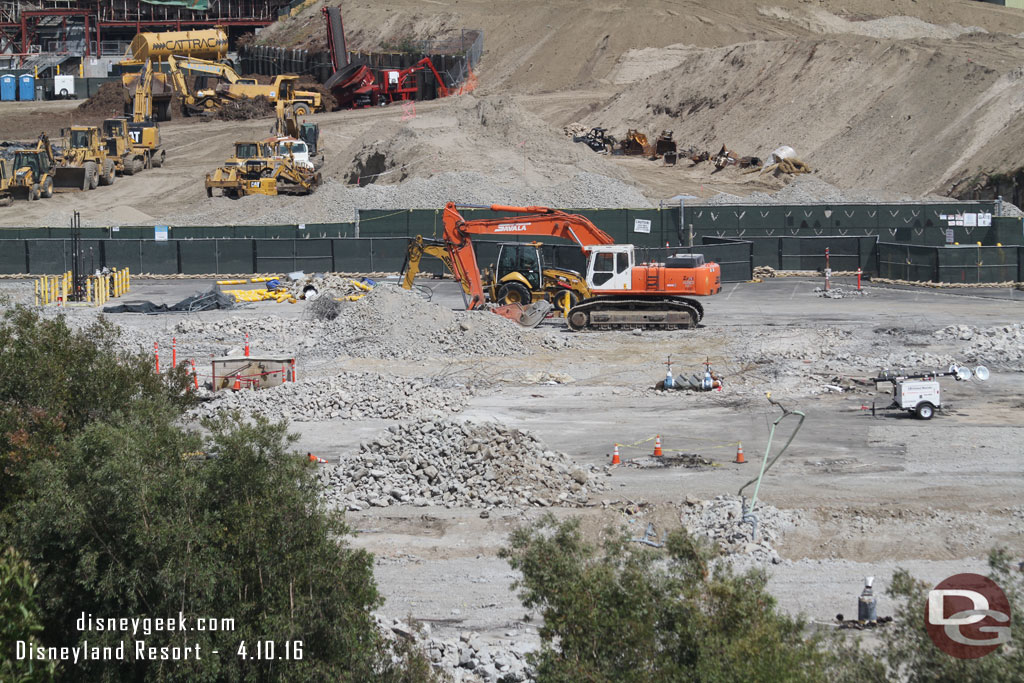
(83, 163)
(255, 170)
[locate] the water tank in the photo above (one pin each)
(8, 87)
(210, 44)
(26, 87)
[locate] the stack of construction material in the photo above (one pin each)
(458, 464)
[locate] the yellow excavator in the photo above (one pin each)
(227, 85)
(519, 277)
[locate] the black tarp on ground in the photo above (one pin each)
(201, 301)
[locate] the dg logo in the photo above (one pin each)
(968, 616)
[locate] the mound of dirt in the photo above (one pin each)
(242, 110)
(108, 101)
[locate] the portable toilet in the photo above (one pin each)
(26, 87)
(8, 87)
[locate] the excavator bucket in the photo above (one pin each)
(531, 316)
(69, 179)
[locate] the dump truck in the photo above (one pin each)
(83, 163)
(32, 172)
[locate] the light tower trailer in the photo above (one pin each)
(920, 395)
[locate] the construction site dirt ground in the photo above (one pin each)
(869, 494)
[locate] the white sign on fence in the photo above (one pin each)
(641, 225)
(160, 233)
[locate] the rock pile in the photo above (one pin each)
(457, 464)
(839, 292)
(471, 657)
(389, 322)
(349, 396)
(1001, 346)
(720, 520)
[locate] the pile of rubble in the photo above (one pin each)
(349, 396)
(839, 292)
(720, 520)
(470, 657)
(388, 322)
(457, 464)
(1001, 346)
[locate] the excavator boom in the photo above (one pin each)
(625, 294)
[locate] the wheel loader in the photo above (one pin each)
(83, 163)
(32, 173)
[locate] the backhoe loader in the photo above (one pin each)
(519, 277)
(143, 130)
(32, 174)
(83, 163)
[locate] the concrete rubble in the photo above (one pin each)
(348, 396)
(999, 347)
(470, 658)
(458, 464)
(720, 520)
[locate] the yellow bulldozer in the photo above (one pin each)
(255, 170)
(83, 163)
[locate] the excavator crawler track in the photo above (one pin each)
(616, 312)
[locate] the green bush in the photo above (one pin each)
(119, 517)
(623, 612)
(19, 620)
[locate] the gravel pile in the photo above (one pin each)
(389, 322)
(457, 464)
(1001, 346)
(720, 520)
(809, 189)
(349, 396)
(470, 657)
(839, 292)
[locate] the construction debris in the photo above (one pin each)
(348, 396)
(720, 521)
(839, 292)
(458, 464)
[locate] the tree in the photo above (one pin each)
(624, 612)
(19, 620)
(125, 513)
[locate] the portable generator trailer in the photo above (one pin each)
(920, 394)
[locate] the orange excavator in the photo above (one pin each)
(625, 293)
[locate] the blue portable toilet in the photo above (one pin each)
(8, 87)
(26, 87)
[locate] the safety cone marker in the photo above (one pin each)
(739, 455)
(314, 459)
(657, 446)
(615, 456)
(237, 385)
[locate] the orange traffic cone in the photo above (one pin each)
(238, 384)
(739, 455)
(657, 446)
(314, 459)
(615, 456)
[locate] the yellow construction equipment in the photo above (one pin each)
(520, 276)
(96, 290)
(32, 175)
(83, 163)
(218, 83)
(255, 170)
(142, 126)
(6, 198)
